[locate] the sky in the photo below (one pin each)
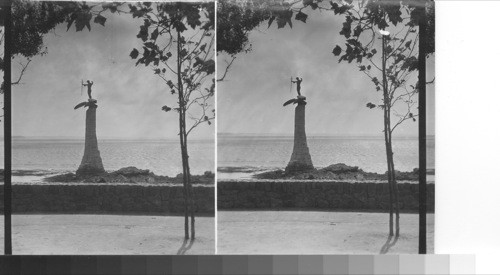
(250, 99)
(129, 97)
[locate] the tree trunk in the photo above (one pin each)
(391, 171)
(388, 145)
(91, 162)
(422, 134)
(187, 173)
(388, 152)
(190, 191)
(7, 187)
(184, 178)
(395, 184)
(182, 136)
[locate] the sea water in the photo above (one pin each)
(34, 158)
(239, 156)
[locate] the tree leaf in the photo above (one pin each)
(99, 19)
(337, 50)
(357, 31)
(111, 6)
(154, 34)
(134, 53)
(335, 7)
(179, 26)
(289, 21)
(82, 21)
(306, 3)
(87, 24)
(270, 21)
(370, 105)
(301, 16)
(71, 20)
(150, 45)
(192, 14)
(346, 27)
(281, 22)
(183, 53)
(143, 33)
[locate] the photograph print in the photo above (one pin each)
(318, 127)
(113, 135)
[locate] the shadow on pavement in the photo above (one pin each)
(185, 246)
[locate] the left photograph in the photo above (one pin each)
(113, 137)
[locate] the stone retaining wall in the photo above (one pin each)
(365, 196)
(106, 199)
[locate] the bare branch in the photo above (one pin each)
(23, 69)
(228, 65)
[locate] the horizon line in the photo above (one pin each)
(315, 135)
(103, 138)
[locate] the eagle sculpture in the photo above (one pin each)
(91, 102)
(299, 98)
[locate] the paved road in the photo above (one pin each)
(301, 232)
(107, 234)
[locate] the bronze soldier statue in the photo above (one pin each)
(298, 81)
(300, 98)
(89, 88)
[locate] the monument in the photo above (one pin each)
(91, 162)
(301, 159)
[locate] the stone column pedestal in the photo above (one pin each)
(301, 159)
(91, 162)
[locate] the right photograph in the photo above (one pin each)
(320, 108)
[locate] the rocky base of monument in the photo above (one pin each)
(339, 171)
(130, 175)
(85, 171)
(294, 168)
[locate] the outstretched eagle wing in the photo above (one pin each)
(81, 105)
(293, 100)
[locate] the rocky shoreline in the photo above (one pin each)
(339, 171)
(130, 175)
